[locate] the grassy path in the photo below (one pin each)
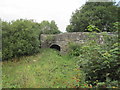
(45, 70)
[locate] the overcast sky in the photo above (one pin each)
(39, 10)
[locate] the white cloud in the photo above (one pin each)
(39, 10)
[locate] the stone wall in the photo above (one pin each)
(64, 39)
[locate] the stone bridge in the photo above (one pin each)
(61, 41)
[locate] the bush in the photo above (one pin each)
(99, 62)
(74, 49)
(19, 38)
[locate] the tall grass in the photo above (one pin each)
(47, 69)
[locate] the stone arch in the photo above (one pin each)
(56, 47)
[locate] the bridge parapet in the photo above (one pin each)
(64, 39)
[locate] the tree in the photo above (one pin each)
(49, 27)
(102, 15)
(19, 38)
(22, 37)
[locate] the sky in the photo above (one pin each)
(58, 10)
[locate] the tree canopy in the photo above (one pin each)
(102, 15)
(47, 27)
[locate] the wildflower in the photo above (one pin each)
(90, 86)
(77, 80)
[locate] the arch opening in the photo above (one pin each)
(56, 47)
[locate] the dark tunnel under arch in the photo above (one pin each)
(55, 46)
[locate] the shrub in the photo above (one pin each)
(99, 62)
(74, 49)
(19, 38)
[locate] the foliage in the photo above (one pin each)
(19, 38)
(74, 49)
(50, 38)
(99, 62)
(92, 28)
(99, 14)
(49, 27)
(22, 37)
(116, 26)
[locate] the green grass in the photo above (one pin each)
(47, 69)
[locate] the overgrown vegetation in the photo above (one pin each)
(22, 37)
(45, 70)
(86, 65)
(100, 62)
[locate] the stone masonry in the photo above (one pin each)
(62, 40)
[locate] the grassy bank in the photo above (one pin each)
(47, 69)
